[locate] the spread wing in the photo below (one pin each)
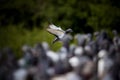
(57, 33)
(52, 26)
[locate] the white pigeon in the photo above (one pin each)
(57, 32)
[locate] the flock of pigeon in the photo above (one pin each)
(93, 57)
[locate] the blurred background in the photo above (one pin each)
(91, 52)
(25, 21)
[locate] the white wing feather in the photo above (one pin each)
(56, 31)
(52, 26)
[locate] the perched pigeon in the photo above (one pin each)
(57, 32)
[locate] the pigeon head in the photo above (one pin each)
(69, 30)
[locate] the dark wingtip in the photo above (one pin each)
(53, 42)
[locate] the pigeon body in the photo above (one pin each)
(57, 32)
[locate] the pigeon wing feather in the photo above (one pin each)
(57, 33)
(52, 26)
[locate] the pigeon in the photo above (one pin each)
(58, 32)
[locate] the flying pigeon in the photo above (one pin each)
(57, 32)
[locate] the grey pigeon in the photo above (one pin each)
(57, 32)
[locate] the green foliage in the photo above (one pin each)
(23, 21)
(83, 15)
(80, 15)
(16, 37)
(102, 17)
